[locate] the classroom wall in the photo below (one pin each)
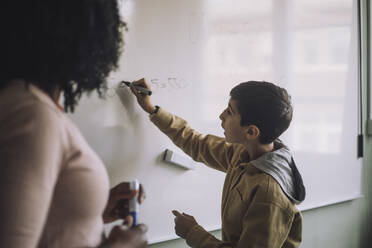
(343, 225)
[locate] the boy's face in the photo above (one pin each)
(230, 117)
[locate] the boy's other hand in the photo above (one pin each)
(183, 223)
(143, 100)
(118, 203)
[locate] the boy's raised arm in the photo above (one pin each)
(209, 149)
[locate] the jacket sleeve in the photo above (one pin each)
(30, 161)
(198, 237)
(211, 150)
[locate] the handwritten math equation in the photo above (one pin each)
(170, 84)
(156, 84)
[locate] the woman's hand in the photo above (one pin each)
(118, 203)
(143, 99)
(123, 237)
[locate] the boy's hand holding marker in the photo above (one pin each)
(143, 99)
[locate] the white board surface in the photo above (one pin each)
(193, 52)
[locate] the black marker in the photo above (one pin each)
(142, 90)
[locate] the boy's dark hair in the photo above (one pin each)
(264, 105)
(70, 44)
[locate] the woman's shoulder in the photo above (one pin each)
(25, 111)
(21, 99)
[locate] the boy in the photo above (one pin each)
(262, 183)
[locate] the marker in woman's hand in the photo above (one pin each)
(133, 203)
(141, 89)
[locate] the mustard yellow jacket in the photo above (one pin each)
(255, 211)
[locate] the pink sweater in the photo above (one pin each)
(53, 187)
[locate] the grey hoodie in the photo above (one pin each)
(281, 166)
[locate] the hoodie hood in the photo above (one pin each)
(280, 165)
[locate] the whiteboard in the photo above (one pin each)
(193, 52)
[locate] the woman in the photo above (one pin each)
(54, 190)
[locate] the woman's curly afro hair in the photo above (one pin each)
(70, 44)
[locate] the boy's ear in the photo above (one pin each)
(252, 132)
